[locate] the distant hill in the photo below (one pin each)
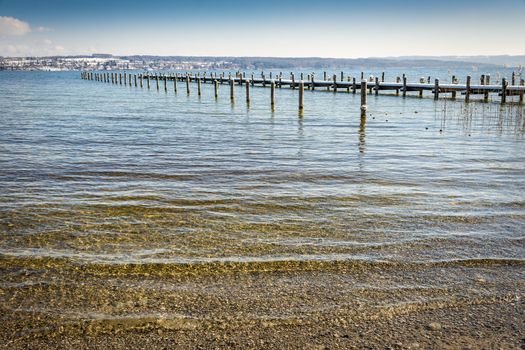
(501, 60)
(315, 62)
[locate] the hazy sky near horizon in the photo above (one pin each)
(291, 28)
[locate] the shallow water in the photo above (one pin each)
(121, 180)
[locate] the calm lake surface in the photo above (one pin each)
(109, 178)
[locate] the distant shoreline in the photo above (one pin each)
(146, 62)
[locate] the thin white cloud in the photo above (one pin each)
(13, 26)
(42, 29)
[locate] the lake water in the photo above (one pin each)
(117, 181)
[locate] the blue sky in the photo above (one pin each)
(329, 28)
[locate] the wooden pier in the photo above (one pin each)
(375, 85)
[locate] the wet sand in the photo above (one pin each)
(278, 305)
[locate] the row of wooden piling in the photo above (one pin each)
(365, 86)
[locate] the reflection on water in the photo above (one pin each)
(101, 180)
(362, 126)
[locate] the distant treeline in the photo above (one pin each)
(306, 62)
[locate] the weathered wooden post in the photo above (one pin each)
(324, 76)
(120, 78)
(232, 95)
(377, 86)
(157, 80)
(263, 77)
(362, 75)
(272, 94)
(125, 83)
(454, 82)
(129, 79)
(175, 85)
(398, 80)
(187, 84)
(383, 77)
(301, 96)
(436, 89)
(313, 82)
(247, 92)
(342, 76)
(335, 82)
(513, 81)
(292, 76)
(354, 86)
(199, 86)
(467, 92)
(487, 82)
(141, 83)
(135, 79)
(522, 92)
(216, 88)
(149, 81)
(165, 84)
(363, 96)
(503, 90)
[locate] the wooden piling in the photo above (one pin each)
(232, 95)
(513, 81)
(198, 86)
(187, 84)
(165, 84)
(247, 93)
(129, 79)
(467, 92)
(272, 94)
(175, 84)
(342, 76)
(354, 86)
(376, 88)
(313, 82)
(436, 89)
(157, 80)
(487, 82)
(363, 95)
(120, 78)
(522, 92)
(383, 77)
(503, 90)
(125, 83)
(334, 77)
(324, 76)
(301, 96)
(135, 79)
(292, 76)
(216, 88)
(148, 79)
